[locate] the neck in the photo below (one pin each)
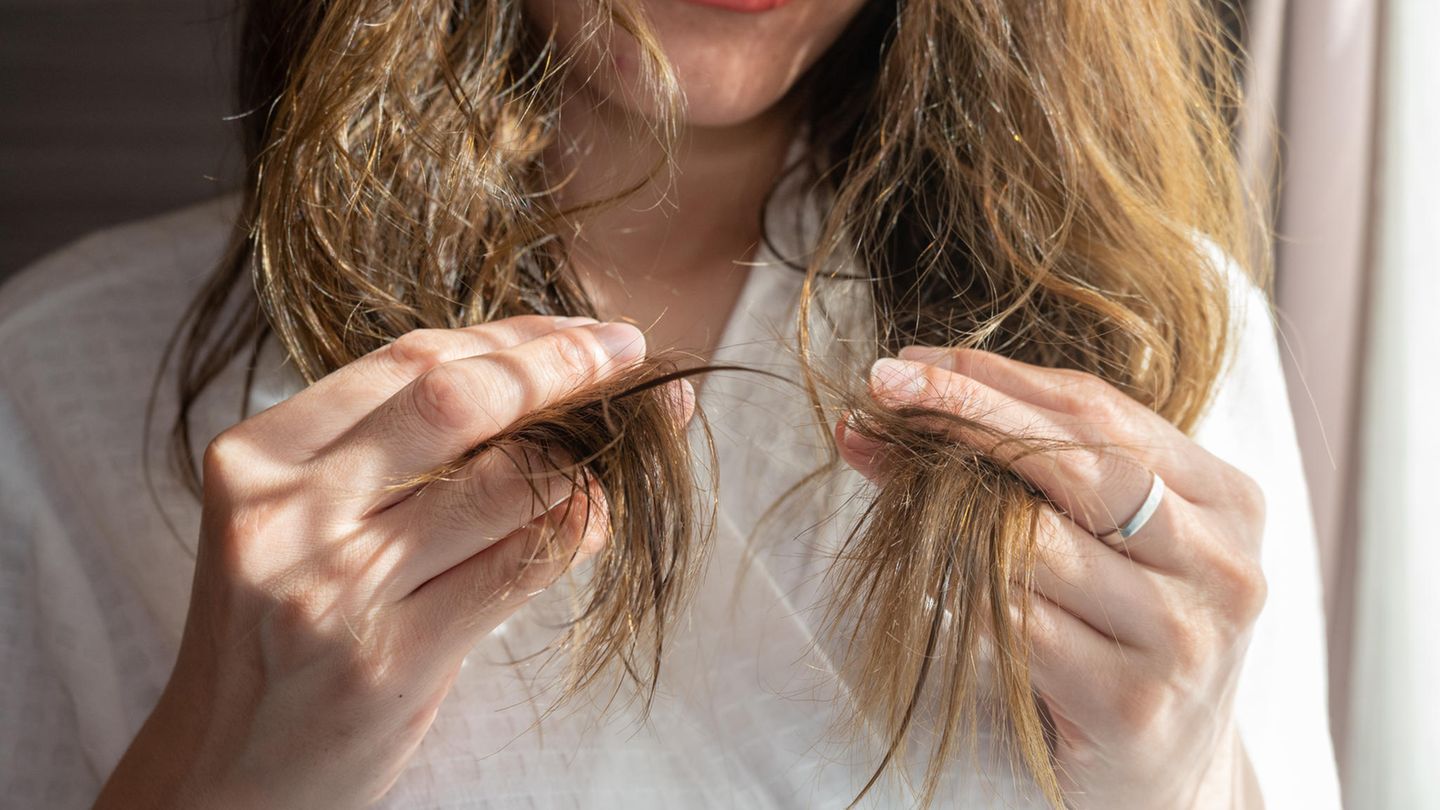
(685, 233)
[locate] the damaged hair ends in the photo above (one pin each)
(1049, 180)
(1037, 178)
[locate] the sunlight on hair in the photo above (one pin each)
(997, 187)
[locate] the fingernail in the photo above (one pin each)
(687, 399)
(847, 435)
(930, 355)
(897, 378)
(622, 341)
(565, 323)
(681, 396)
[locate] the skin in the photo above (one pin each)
(329, 616)
(671, 259)
(1137, 647)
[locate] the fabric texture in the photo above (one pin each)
(1394, 707)
(95, 574)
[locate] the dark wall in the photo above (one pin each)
(110, 110)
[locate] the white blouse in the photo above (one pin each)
(95, 573)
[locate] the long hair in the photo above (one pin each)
(1046, 179)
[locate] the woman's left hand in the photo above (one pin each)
(1137, 646)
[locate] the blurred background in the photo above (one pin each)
(112, 110)
(109, 110)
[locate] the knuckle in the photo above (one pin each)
(1242, 587)
(576, 353)
(1107, 465)
(592, 511)
(535, 567)
(499, 584)
(1182, 638)
(516, 326)
(594, 533)
(363, 674)
(1089, 470)
(1050, 532)
(442, 400)
(296, 610)
(969, 361)
(1068, 399)
(1141, 705)
(498, 480)
(541, 569)
(1103, 403)
(225, 456)
(1255, 593)
(1248, 497)
(1081, 393)
(420, 350)
(418, 720)
(951, 392)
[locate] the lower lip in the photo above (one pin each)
(743, 6)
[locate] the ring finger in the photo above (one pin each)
(1108, 591)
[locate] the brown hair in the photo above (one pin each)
(1030, 177)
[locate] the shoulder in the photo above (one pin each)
(1252, 316)
(1281, 701)
(82, 332)
(110, 299)
(1251, 390)
(84, 329)
(161, 259)
(1249, 422)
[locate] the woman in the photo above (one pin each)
(1020, 188)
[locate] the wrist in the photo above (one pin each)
(164, 765)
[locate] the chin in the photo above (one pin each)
(732, 67)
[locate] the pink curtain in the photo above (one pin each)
(1353, 87)
(1327, 103)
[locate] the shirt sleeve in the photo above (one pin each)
(83, 550)
(42, 759)
(1281, 703)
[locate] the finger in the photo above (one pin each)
(473, 598)
(1074, 668)
(682, 397)
(1062, 390)
(866, 455)
(315, 416)
(1086, 396)
(459, 405)
(451, 520)
(1097, 584)
(1099, 475)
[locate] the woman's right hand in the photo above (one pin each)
(329, 616)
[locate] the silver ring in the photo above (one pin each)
(1142, 515)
